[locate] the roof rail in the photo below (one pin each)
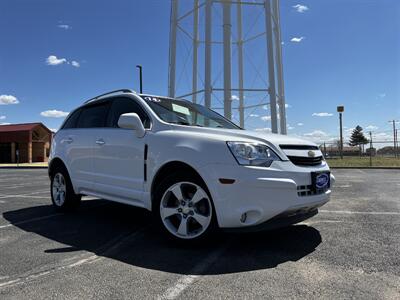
(109, 93)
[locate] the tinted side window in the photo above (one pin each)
(72, 120)
(93, 116)
(126, 105)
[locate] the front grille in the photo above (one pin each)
(306, 161)
(307, 190)
(298, 147)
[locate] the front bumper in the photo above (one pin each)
(260, 193)
(282, 220)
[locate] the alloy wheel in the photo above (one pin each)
(186, 210)
(59, 189)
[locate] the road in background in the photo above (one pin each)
(107, 250)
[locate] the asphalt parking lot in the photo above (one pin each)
(351, 249)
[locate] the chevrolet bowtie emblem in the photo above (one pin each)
(311, 153)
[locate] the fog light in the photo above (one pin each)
(243, 218)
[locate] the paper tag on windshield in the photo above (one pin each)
(180, 109)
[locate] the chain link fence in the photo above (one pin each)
(378, 154)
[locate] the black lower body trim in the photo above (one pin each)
(282, 220)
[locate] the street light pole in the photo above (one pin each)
(141, 79)
(340, 110)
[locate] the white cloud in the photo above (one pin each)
(300, 8)
(371, 127)
(300, 124)
(316, 136)
(286, 105)
(290, 127)
(2, 117)
(52, 60)
(297, 39)
(382, 136)
(64, 26)
(54, 113)
(5, 123)
(53, 129)
(316, 133)
(322, 114)
(267, 129)
(382, 95)
(234, 97)
(266, 118)
(266, 107)
(254, 115)
(8, 99)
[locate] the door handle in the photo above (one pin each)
(68, 140)
(100, 142)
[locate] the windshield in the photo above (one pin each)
(183, 112)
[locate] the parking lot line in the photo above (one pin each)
(30, 220)
(109, 248)
(360, 212)
(25, 195)
(186, 280)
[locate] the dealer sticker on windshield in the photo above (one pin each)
(180, 109)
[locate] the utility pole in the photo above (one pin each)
(140, 78)
(340, 110)
(394, 137)
(370, 149)
(397, 142)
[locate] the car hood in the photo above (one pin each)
(271, 139)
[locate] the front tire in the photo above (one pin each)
(183, 207)
(62, 192)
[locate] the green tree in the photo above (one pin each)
(357, 138)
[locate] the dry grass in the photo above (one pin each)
(364, 162)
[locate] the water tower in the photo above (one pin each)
(218, 46)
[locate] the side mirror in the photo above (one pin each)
(132, 121)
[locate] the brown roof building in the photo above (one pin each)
(24, 143)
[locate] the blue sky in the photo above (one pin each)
(54, 54)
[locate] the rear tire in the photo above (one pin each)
(62, 192)
(183, 208)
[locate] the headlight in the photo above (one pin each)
(252, 154)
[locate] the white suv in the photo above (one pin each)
(192, 167)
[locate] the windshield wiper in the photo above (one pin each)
(181, 123)
(186, 123)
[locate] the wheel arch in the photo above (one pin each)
(169, 168)
(56, 163)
